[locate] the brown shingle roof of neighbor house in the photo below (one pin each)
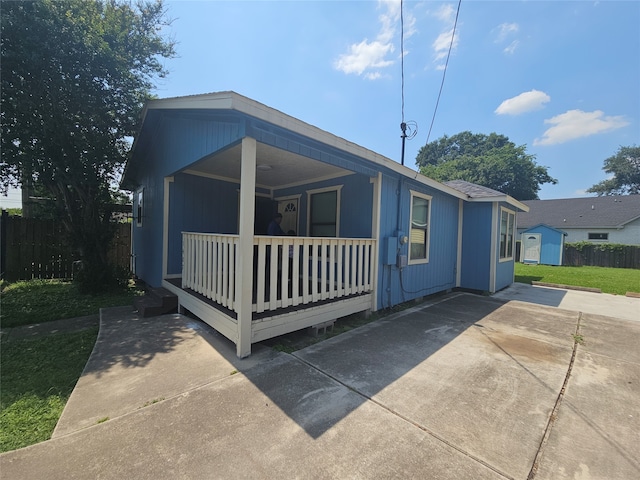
(586, 212)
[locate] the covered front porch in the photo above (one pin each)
(296, 282)
(252, 287)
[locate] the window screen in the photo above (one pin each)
(323, 214)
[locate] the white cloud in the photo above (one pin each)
(512, 47)
(503, 33)
(577, 124)
(442, 43)
(446, 14)
(525, 102)
(505, 30)
(364, 56)
(368, 57)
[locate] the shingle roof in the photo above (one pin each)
(473, 190)
(604, 212)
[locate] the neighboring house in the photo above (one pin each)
(607, 219)
(208, 173)
(542, 244)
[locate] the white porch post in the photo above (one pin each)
(375, 230)
(459, 255)
(244, 272)
(165, 227)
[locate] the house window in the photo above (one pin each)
(140, 207)
(323, 212)
(598, 236)
(420, 227)
(507, 224)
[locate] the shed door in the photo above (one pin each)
(531, 244)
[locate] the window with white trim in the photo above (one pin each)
(323, 212)
(419, 229)
(507, 227)
(139, 207)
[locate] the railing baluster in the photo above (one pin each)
(300, 270)
(260, 272)
(339, 268)
(273, 275)
(295, 275)
(225, 271)
(332, 268)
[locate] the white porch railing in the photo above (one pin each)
(287, 271)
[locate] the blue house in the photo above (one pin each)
(208, 173)
(542, 244)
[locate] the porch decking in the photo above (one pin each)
(297, 282)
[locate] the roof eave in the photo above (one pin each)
(503, 198)
(233, 101)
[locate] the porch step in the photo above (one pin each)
(157, 301)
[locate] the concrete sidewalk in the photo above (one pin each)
(469, 387)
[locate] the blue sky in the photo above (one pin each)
(562, 77)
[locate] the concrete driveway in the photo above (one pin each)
(467, 387)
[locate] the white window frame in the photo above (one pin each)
(139, 206)
(429, 199)
(310, 193)
(510, 215)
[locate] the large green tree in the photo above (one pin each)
(75, 75)
(625, 168)
(488, 160)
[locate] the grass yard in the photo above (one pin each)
(38, 375)
(617, 281)
(37, 301)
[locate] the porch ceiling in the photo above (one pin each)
(275, 168)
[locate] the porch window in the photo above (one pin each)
(507, 225)
(420, 228)
(323, 212)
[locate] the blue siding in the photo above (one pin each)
(356, 204)
(199, 204)
(397, 285)
(176, 140)
(177, 143)
(145, 246)
(476, 246)
(552, 243)
(504, 273)
(293, 142)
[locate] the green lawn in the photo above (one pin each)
(38, 375)
(618, 281)
(37, 301)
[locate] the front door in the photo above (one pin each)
(289, 210)
(531, 246)
(265, 210)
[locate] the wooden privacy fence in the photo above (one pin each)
(617, 256)
(35, 248)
